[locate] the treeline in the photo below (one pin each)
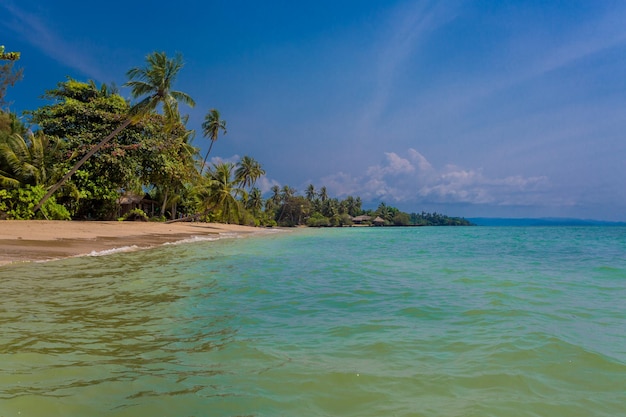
(92, 154)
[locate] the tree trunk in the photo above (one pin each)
(80, 163)
(174, 207)
(164, 204)
(205, 157)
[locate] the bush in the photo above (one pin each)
(318, 220)
(136, 215)
(18, 204)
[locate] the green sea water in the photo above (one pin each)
(475, 321)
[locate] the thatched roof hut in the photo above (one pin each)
(378, 221)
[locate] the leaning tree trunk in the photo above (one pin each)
(205, 157)
(80, 163)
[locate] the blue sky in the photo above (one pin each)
(476, 108)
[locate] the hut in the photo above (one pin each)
(131, 201)
(378, 221)
(361, 219)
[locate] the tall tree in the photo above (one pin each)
(211, 128)
(254, 203)
(155, 83)
(310, 192)
(221, 192)
(248, 171)
(323, 194)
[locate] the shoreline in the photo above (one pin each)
(24, 241)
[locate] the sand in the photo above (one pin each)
(35, 240)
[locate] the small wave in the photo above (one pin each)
(192, 239)
(114, 250)
(230, 235)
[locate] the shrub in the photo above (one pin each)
(318, 220)
(18, 204)
(137, 215)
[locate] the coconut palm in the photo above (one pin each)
(248, 172)
(323, 194)
(155, 83)
(221, 192)
(25, 161)
(287, 192)
(211, 128)
(310, 192)
(254, 202)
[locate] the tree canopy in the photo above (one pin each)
(106, 156)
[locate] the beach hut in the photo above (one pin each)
(361, 219)
(379, 221)
(131, 201)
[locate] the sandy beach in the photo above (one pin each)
(34, 240)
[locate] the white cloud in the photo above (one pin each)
(265, 184)
(414, 179)
(407, 27)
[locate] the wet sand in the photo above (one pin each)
(35, 240)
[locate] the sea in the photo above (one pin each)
(362, 321)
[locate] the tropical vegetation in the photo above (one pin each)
(96, 155)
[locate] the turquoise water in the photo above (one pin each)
(343, 322)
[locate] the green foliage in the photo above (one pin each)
(8, 74)
(135, 215)
(401, 219)
(210, 129)
(144, 155)
(8, 56)
(154, 82)
(436, 219)
(218, 193)
(295, 210)
(26, 160)
(318, 220)
(18, 204)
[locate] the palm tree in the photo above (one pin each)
(25, 161)
(310, 192)
(273, 202)
(287, 192)
(155, 83)
(323, 194)
(254, 203)
(275, 194)
(248, 171)
(221, 192)
(210, 129)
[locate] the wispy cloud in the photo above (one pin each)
(44, 37)
(411, 178)
(407, 27)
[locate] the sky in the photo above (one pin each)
(466, 108)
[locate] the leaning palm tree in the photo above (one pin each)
(155, 83)
(211, 128)
(248, 171)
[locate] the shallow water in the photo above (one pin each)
(343, 322)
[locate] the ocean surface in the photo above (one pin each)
(473, 321)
